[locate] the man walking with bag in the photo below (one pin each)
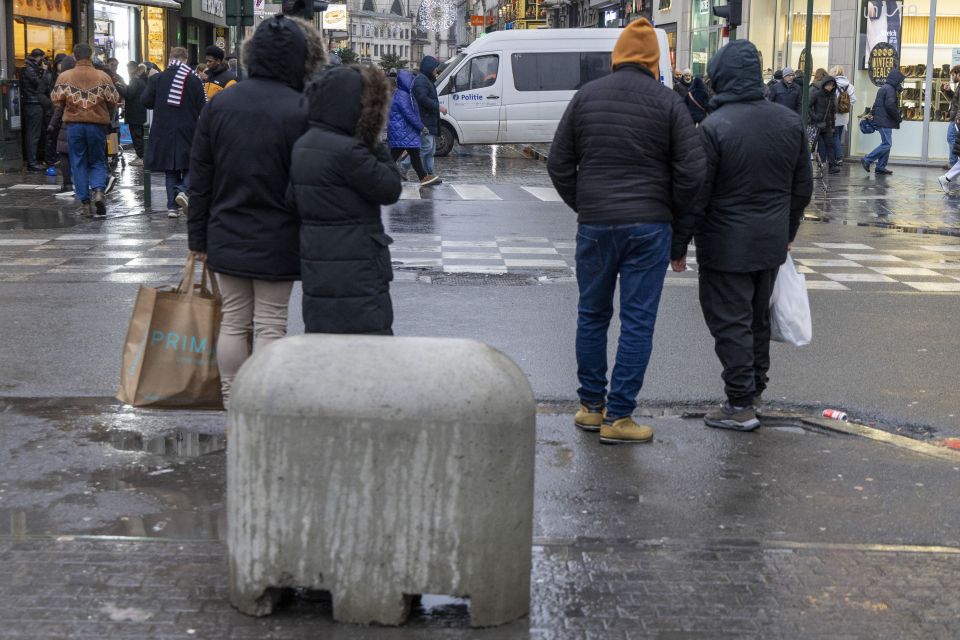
(744, 219)
(627, 159)
(886, 118)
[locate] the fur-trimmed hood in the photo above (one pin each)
(286, 49)
(351, 99)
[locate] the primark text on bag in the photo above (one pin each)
(790, 319)
(170, 354)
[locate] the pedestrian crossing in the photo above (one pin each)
(480, 193)
(157, 258)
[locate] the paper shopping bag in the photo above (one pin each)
(170, 355)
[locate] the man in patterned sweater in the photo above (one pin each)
(87, 96)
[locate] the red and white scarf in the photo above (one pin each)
(175, 98)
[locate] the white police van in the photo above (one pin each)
(513, 86)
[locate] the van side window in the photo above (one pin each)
(478, 73)
(567, 71)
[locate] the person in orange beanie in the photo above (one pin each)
(626, 158)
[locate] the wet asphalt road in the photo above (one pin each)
(700, 534)
(883, 350)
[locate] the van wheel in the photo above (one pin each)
(445, 141)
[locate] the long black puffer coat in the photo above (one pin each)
(339, 178)
(626, 151)
(758, 179)
(240, 165)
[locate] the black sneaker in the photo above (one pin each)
(731, 417)
(100, 208)
(884, 172)
(865, 165)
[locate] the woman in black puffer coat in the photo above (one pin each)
(340, 176)
(823, 115)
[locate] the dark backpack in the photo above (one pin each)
(843, 101)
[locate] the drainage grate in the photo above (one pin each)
(483, 279)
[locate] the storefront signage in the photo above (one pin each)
(704, 6)
(476, 21)
(884, 20)
(156, 36)
(213, 7)
(883, 60)
(335, 17)
(55, 10)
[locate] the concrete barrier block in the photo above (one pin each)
(379, 468)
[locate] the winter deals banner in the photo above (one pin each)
(884, 25)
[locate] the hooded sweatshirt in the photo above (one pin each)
(758, 178)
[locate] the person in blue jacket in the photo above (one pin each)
(425, 93)
(886, 117)
(406, 128)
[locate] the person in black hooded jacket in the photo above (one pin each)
(823, 115)
(239, 220)
(757, 183)
(886, 117)
(340, 176)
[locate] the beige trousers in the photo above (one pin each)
(254, 314)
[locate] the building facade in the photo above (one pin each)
(922, 39)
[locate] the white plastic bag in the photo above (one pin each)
(790, 319)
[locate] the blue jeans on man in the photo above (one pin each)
(428, 145)
(177, 182)
(881, 154)
(951, 140)
(88, 158)
(639, 255)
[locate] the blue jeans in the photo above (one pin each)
(177, 182)
(639, 254)
(428, 145)
(88, 158)
(838, 143)
(881, 154)
(951, 139)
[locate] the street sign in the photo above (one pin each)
(476, 21)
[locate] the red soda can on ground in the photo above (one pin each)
(835, 414)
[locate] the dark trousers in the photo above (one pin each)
(136, 132)
(65, 170)
(736, 307)
(32, 128)
(638, 254)
(414, 160)
(825, 147)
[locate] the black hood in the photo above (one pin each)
(735, 74)
(827, 79)
(336, 99)
(895, 78)
(278, 51)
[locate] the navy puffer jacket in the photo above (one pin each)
(886, 110)
(405, 126)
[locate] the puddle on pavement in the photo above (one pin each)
(98, 469)
(30, 219)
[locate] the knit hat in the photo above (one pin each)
(638, 45)
(215, 52)
(787, 71)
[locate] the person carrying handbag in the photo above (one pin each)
(697, 99)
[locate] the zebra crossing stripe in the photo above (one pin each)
(410, 192)
(546, 194)
(475, 192)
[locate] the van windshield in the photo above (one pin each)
(449, 67)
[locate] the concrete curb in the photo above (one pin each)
(903, 442)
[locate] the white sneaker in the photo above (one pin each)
(173, 213)
(946, 185)
(183, 200)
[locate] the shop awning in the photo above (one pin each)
(163, 4)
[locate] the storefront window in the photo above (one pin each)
(946, 54)
(704, 35)
(41, 25)
(885, 23)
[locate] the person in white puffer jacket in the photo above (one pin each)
(843, 118)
